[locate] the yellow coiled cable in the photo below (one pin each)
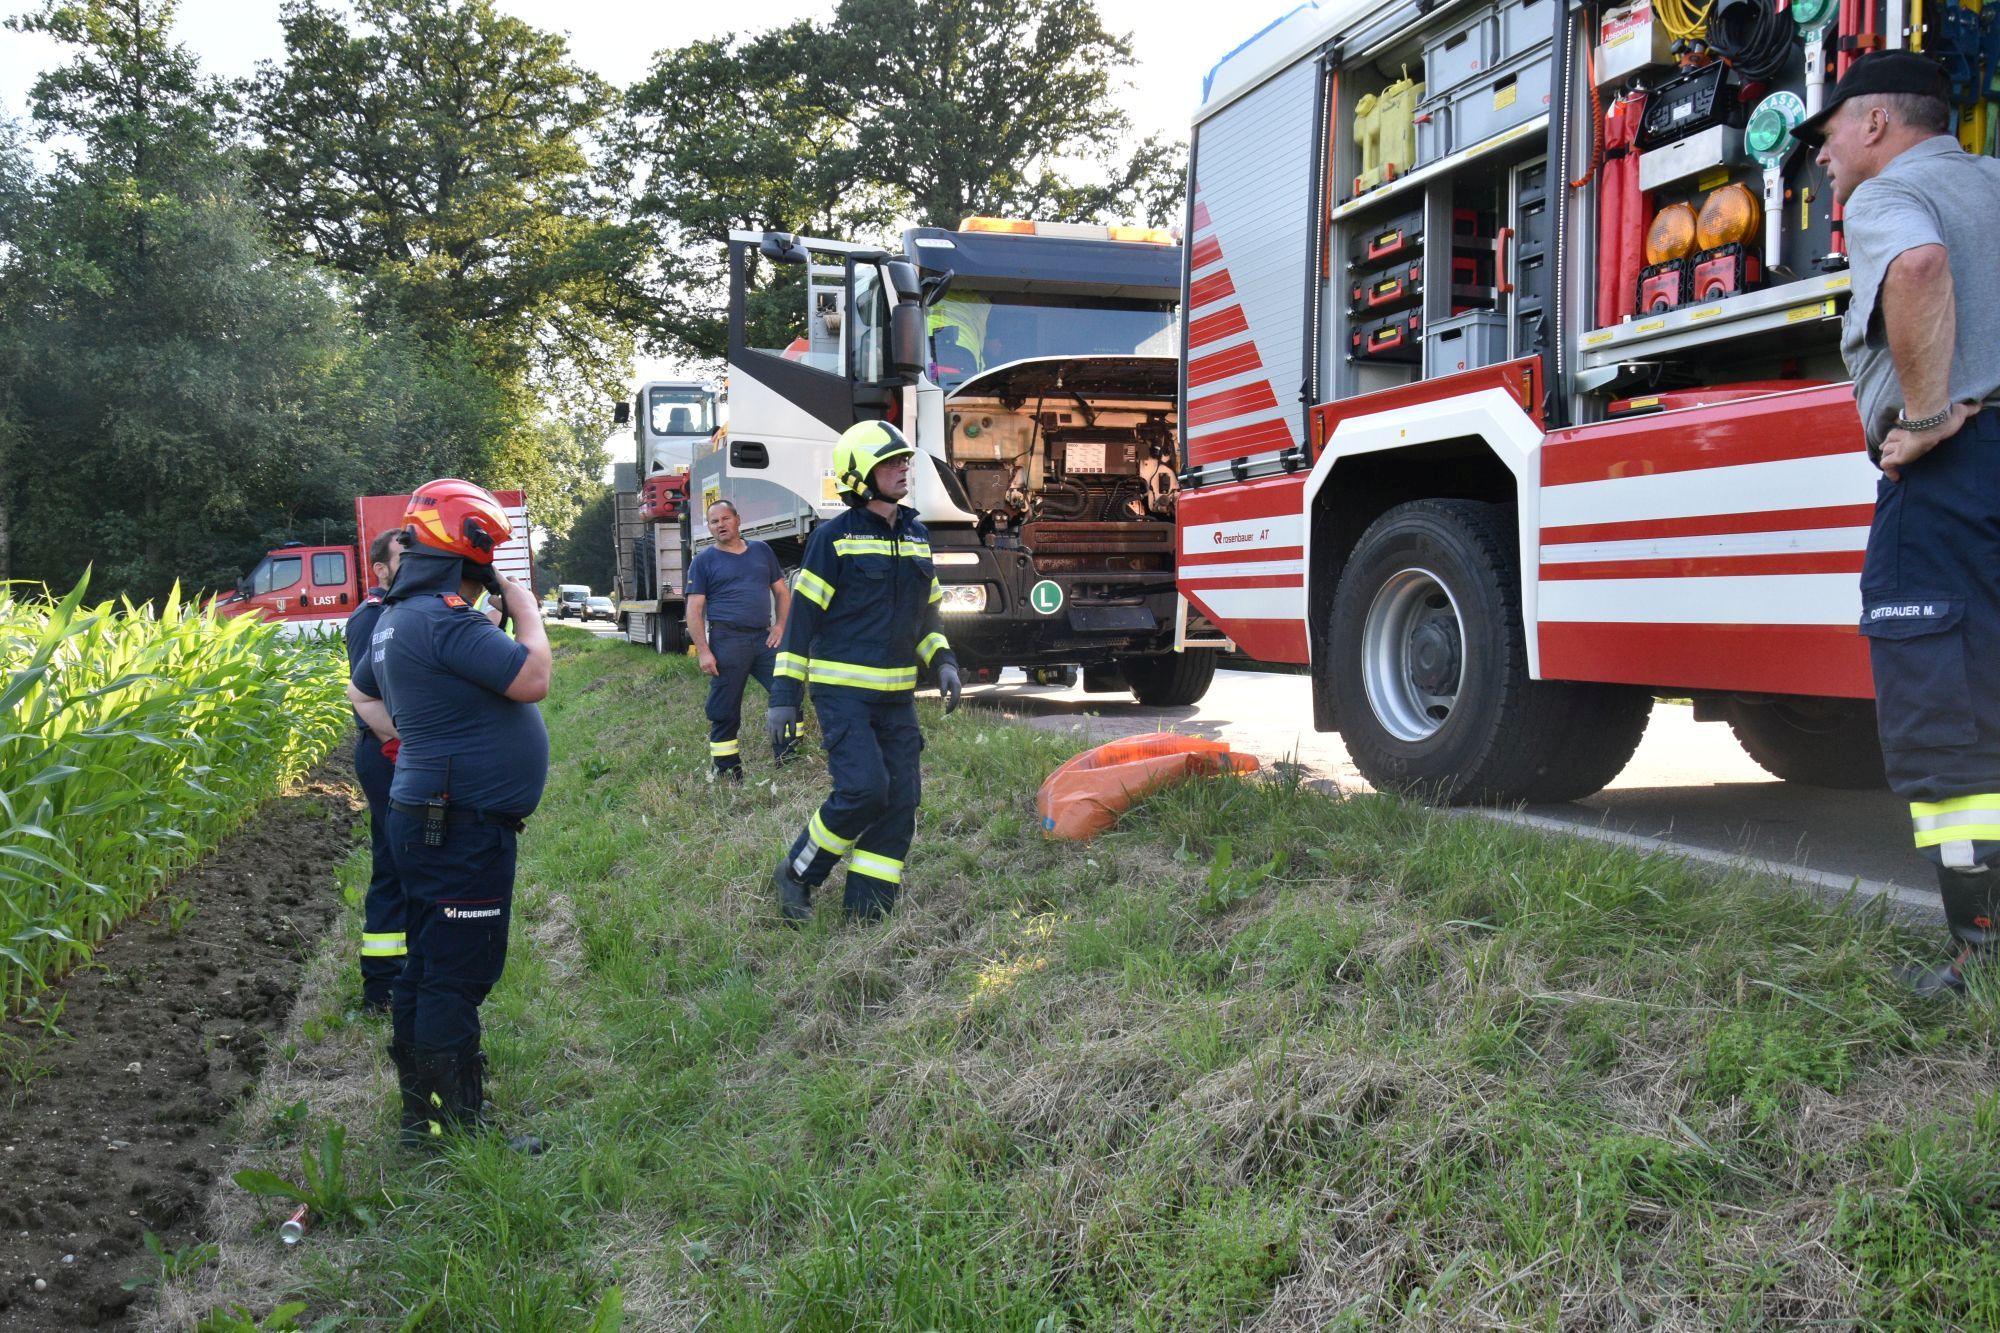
(1683, 21)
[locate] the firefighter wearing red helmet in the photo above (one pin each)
(461, 693)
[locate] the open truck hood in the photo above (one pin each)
(1076, 376)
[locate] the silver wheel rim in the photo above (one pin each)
(1413, 655)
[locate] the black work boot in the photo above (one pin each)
(414, 1113)
(794, 894)
(478, 1111)
(1970, 911)
(431, 1101)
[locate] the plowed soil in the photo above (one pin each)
(122, 1124)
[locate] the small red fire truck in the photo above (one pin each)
(315, 588)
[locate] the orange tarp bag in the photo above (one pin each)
(1085, 796)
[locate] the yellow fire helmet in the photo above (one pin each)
(862, 448)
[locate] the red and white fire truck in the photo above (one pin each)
(1512, 388)
(310, 589)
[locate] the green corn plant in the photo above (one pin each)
(133, 739)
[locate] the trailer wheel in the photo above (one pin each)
(1814, 742)
(1170, 680)
(1428, 662)
(669, 635)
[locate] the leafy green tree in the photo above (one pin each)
(929, 110)
(585, 553)
(981, 107)
(436, 153)
(175, 395)
(156, 363)
(742, 133)
(16, 299)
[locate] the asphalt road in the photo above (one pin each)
(1689, 786)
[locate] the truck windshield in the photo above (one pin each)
(974, 331)
(680, 412)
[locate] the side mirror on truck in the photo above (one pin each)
(621, 413)
(907, 351)
(781, 247)
(906, 339)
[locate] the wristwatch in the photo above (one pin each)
(1927, 423)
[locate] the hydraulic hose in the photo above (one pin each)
(1754, 38)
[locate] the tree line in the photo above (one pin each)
(428, 242)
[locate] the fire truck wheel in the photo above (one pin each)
(1169, 680)
(1428, 662)
(1815, 742)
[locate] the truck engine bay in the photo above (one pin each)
(1046, 449)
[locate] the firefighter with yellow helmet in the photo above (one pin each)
(864, 619)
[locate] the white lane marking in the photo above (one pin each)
(1914, 902)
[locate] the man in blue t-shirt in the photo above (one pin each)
(473, 760)
(731, 586)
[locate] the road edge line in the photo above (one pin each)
(1912, 905)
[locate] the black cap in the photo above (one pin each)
(1878, 72)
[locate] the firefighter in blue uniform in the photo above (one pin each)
(374, 765)
(864, 617)
(473, 761)
(1919, 337)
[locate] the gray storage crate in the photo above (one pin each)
(1526, 25)
(1464, 51)
(1517, 91)
(1465, 342)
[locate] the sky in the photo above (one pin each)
(617, 39)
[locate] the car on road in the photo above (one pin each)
(571, 598)
(599, 608)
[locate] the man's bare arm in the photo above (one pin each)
(782, 591)
(373, 712)
(531, 683)
(1920, 317)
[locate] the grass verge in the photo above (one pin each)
(1257, 1058)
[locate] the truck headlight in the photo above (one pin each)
(963, 597)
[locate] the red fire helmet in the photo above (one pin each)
(458, 517)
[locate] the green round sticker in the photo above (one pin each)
(1046, 597)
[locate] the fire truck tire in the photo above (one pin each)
(1169, 680)
(1428, 661)
(1814, 742)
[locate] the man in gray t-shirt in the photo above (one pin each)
(1922, 340)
